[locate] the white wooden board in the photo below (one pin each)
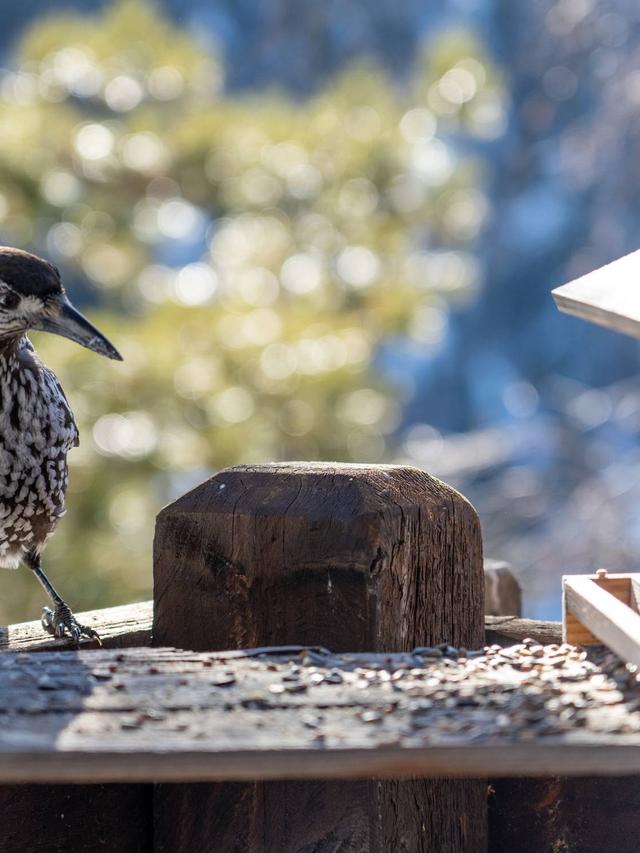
(609, 296)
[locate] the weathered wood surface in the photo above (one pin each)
(119, 627)
(609, 296)
(345, 555)
(379, 558)
(160, 714)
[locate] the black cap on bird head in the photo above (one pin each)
(32, 297)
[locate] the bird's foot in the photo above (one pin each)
(61, 622)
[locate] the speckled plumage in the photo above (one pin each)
(37, 430)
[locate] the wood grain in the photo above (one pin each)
(351, 557)
(609, 296)
(345, 556)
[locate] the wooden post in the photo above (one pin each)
(502, 592)
(353, 558)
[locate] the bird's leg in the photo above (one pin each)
(60, 620)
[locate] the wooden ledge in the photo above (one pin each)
(129, 625)
(119, 627)
(506, 630)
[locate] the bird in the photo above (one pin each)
(37, 426)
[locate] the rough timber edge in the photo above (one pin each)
(557, 756)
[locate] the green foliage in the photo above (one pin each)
(248, 256)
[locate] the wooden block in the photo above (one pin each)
(502, 593)
(351, 557)
(345, 556)
(609, 296)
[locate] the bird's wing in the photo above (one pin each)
(70, 424)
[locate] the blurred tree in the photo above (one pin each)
(248, 256)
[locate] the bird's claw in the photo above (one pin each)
(61, 622)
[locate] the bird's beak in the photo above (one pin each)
(65, 320)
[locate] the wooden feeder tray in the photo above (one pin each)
(603, 609)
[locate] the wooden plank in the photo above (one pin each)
(608, 619)
(129, 625)
(164, 715)
(618, 585)
(507, 630)
(354, 557)
(609, 296)
(119, 627)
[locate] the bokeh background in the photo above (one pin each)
(329, 231)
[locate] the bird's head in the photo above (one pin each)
(32, 297)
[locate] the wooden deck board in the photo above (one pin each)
(163, 715)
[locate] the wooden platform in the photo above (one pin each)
(165, 715)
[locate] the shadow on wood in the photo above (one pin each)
(76, 818)
(569, 815)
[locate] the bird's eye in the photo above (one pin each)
(9, 300)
